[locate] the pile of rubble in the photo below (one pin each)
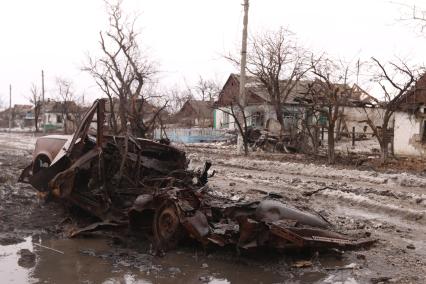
(145, 185)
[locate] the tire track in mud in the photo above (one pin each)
(385, 197)
(404, 191)
(381, 201)
(396, 226)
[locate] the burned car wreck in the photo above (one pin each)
(146, 186)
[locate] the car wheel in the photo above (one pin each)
(166, 226)
(41, 162)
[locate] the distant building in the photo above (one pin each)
(410, 122)
(22, 116)
(56, 114)
(146, 111)
(260, 111)
(194, 113)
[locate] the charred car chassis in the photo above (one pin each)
(153, 191)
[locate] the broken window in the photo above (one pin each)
(257, 119)
(291, 118)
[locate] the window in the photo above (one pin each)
(323, 119)
(58, 118)
(423, 133)
(257, 119)
(225, 120)
(291, 118)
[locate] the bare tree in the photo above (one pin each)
(279, 63)
(327, 94)
(35, 100)
(206, 89)
(394, 80)
(414, 14)
(236, 111)
(102, 73)
(66, 97)
(311, 125)
(123, 70)
(175, 97)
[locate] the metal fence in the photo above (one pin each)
(192, 135)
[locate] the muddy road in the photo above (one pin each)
(390, 207)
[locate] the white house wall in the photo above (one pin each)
(219, 116)
(267, 110)
(354, 115)
(407, 137)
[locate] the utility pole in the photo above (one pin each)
(42, 102)
(10, 107)
(242, 91)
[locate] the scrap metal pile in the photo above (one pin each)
(151, 190)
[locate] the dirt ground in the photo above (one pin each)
(386, 204)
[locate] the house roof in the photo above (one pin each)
(22, 108)
(258, 93)
(254, 85)
(149, 110)
(17, 110)
(202, 109)
(358, 95)
(415, 97)
(57, 107)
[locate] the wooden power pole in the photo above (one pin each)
(42, 102)
(10, 107)
(242, 91)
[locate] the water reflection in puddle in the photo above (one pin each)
(98, 266)
(10, 271)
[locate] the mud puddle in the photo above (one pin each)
(96, 261)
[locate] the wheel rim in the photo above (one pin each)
(167, 227)
(167, 223)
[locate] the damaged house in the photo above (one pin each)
(355, 107)
(22, 116)
(58, 114)
(194, 113)
(410, 122)
(192, 123)
(261, 113)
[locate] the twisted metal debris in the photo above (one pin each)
(158, 195)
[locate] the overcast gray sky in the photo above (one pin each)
(187, 37)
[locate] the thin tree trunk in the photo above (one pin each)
(113, 120)
(36, 115)
(65, 123)
(331, 153)
(124, 155)
(384, 143)
(384, 152)
(280, 118)
(123, 118)
(339, 125)
(315, 139)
